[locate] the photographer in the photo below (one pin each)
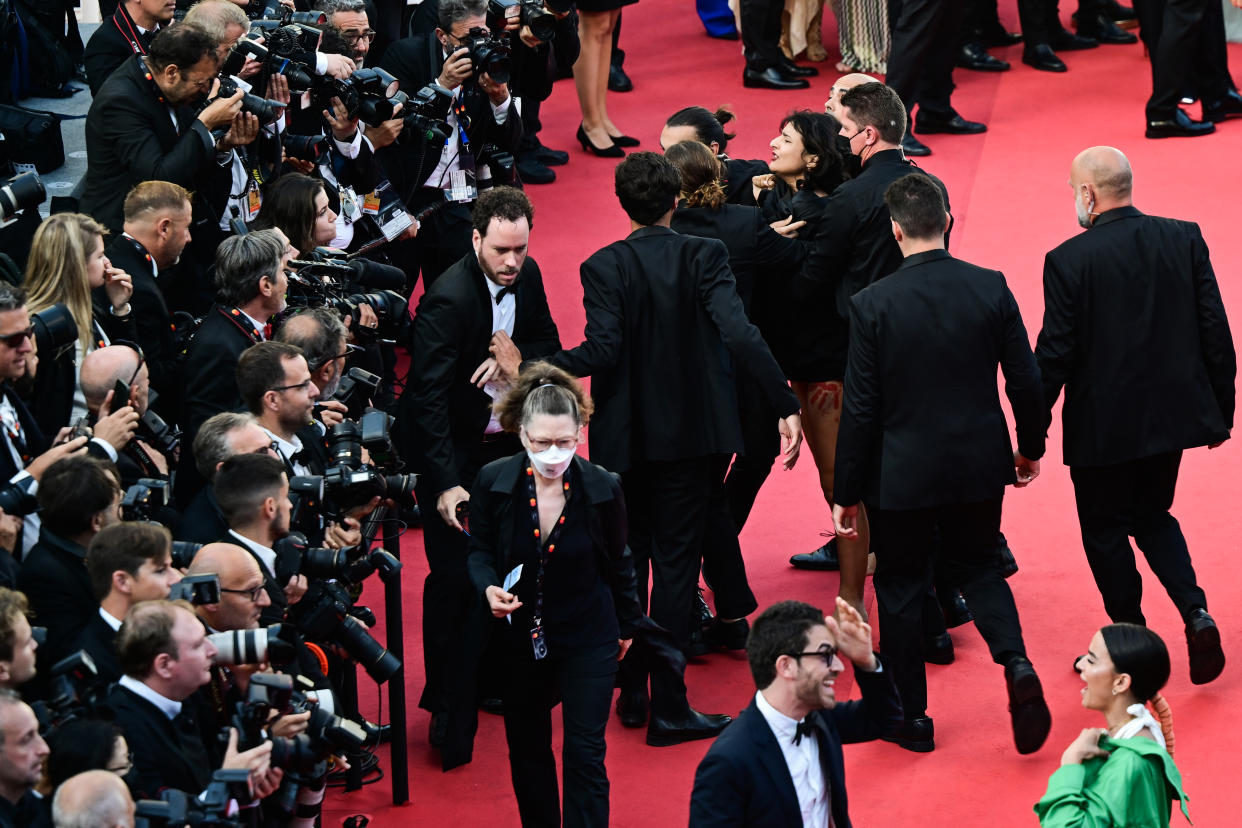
(102, 370)
(94, 799)
(17, 641)
(275, 385)
(127, 563)
(321, 336)
(126, 33)
(537, 52)
(481, 114)
(78, 497)
(22, 751)
(222, 436)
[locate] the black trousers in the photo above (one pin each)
(761, 444)
(926, 34)
(1132, 499)
(443, 238)
(1186, 42)
(902, 541)
(581, 682)
(761, 33)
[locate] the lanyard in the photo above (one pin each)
(546, 551)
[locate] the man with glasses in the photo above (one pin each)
(221, 437)
(276, 387)
(780, 762)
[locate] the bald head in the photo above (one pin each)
(222, 559)
(843, 83)
(239, 573)
(102, 368)
(1101, 180)
(94, 799)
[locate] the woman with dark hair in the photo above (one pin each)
(694, 123)
(548, 554)
(81, 745)
(297, 205)
(1122, 774)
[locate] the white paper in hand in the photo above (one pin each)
(511, 579)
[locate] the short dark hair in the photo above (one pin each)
(145, 633)
(320, 345)
(12, 297)
(876, 105)
(244, 482)
(73, 490)
(821, 137)
(708, 126)
(779, 630)
(1136, 650)
(183, 46)
(647, 185)
(241, 261)
(13, 604)
(289, 204)
(455, 11)
(915, 203)
(80, 745)
(504, 203)
(125, 546)
(262, 368)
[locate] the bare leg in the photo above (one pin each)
(591, 73)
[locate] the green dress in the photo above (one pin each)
(1132, 788)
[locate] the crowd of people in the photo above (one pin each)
(204, 427)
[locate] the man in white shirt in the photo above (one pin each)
(276, 386)
(780, 762)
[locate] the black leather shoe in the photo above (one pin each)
(1180, 126)
(793, 70)
(624, 140)
(618, 81)
(957, 612)
(973, 56)
(953, 125)
(1043, 58)
(938, 649)
(917, 735)
(1106, 31)
(632, 707)
(771, 79)
(1028, 712)
(696, 645)
(687, 728)
(551, 157)
(492, 705)
(727, 635)
(913, 146)
(1226, 107)
(1066, 41)
(1207, 659)
(996, 36)
(1008, 563)
(704, 611)
(823, 559)
(437, 730)
(1116, 12)
(532, 172)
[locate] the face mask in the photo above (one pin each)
(1084, 212)
(552, 461)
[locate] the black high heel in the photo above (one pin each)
(611, 151)
(624, 140)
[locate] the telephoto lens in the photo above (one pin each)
(20, 193)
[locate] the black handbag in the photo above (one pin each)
(32, 136)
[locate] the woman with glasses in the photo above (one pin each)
(548, 553)
(67, 266)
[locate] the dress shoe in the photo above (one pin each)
(1028, 712)
(1066, 41)
(954, 124)
(378, 734)
(938, 649)
(632, 707)
(551, 157)
(1115, 11)
(492, 705)
(823, 559)
(704, 612)
(1106, 31)
(1207, 659)
(793, 70)
(956, 612)
(696, 645)
(686, 728)
(1008, 563)
(771, 79)
(618, 81)
(1179, 126)
(913, 146)
(995, 36)
(610, 151)
(973, 56)
(532, 172)
(1226, 107)
(624, 140)
(1041, 56)
(916, 734)
(727, 635)
(437, 730)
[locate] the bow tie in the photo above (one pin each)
(510, 289)
(804, 728)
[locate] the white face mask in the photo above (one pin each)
(552, 461)
(1084, 211)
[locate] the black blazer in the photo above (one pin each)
(130, 138)
(210, 368)
(491, 524)
(201, 521)
(99, 641)
(664, 331)
(114, 42)
(55, 580)
(51, 396)
(855, 246)
(165, 755)
(744, 781)
(737, 177)
(441, 411)
(36, 441)
(922, 423)
(1135, 329)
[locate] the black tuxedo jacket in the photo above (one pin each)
(442, 412)
(744, 780)
(166, 754)
(665, 330)
(130, 138)
(922, 423)
(114, 42)
(201, 521)
(56, 582)
(99, 641)
(210, 369)
(1135, 330)
(855, 246)
(36, 441)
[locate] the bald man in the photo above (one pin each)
(94, 799)
(242, 597)
(101, 370)
(1135, 331)
(843, 84)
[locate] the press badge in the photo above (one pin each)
(538, 643)
(253, 201)
(461, 187)
(371, 204)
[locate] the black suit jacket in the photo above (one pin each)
(56, 582)
(165, 755)
(663, 321)
(51, 396)
(130, 138)
(201, 521)
(744, 780)
(1135, 330)
(114, 42)
(737, 180)
(443, 414)
(99, 641)
(36, 442)
(922, 423)
(210, 369)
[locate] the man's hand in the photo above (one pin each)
(244, 130)
(277, 88)
(1086, 746)
(340, 66)
(845, 521)
(497, 93)
(116, 428)
(501, 603)
(359, 512)
(788, 227)
(506, 354)
(387, 132)
(331, 412)
(853, 635)
(119, 286)
(160, 461)
(1026, 470)
(344, 128)
(759, 183)
(336, 536)
(528, 37)
(487, 371)
(221, 111)
(456, 69)
(10, 525)
(296, 588)
(39, 465)
(250, 68)
(257, 760)
(791, 439)
(446, 505)
(623, 647)
(287, 726)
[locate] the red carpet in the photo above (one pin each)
(1012, 204)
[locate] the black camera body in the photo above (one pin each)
(77, 690)
(212, 809)
(368, 95)
(274, 11)
(488, 53)
(144, 499)
(533, 15)
(327, 613)
(267, 111)
(426, 112)
(355, 391)
(197, 589)
(21, 192)
(334, 284)
(16, 499)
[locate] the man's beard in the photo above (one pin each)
(1084, 212)
(329, 390)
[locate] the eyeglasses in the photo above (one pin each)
(252, 594)
(136, 348)
(827, 655)
(352, 38)
(15, 340)
(272, 448)
(350, 350)
(303, 385)
(126, 768)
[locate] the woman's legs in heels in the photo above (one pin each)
(591, 74)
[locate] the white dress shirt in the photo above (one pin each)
(111, 620)
(167, 706)
(504, 313)
(266, 555)
(803, 762)
(450, 159)
(287, 449)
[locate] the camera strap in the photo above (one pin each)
(537, 640)
(235, 316)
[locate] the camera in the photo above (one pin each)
(183, 553)
(427, 112)
(351, 565)
(76, 691)
(327, 613)
(367, 94)
(267, 111)
(355, 392)
(144, 499)
(305, 147)
(197, 589)
(214, 807)
(19, 193)
(55, 326)
(285, 15)
(15, 499)
(500, 166)
(304, 754)
(540, 21)
(334, 283)
(489, 54)
(275, 645)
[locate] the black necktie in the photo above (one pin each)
(500, 294)
(804, 728)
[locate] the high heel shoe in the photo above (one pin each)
(624, 140)
(611, 151)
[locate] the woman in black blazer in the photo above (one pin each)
(570, 611)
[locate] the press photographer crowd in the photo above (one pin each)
(212, 440)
